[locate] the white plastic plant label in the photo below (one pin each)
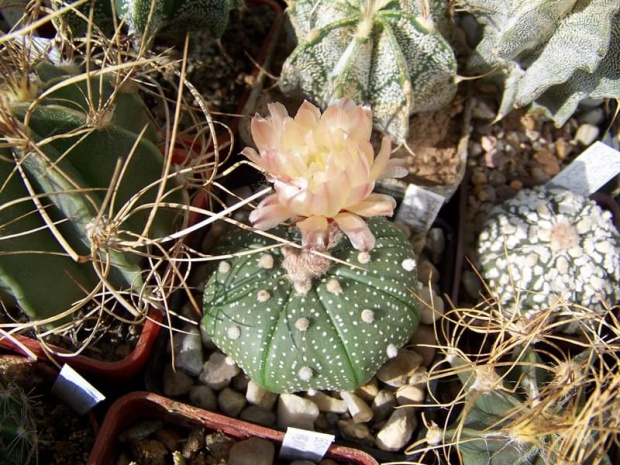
(419, 208)
(300, 444)
(589, 171)
(75, 391)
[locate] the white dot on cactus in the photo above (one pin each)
(263, 295)
(223, 267)
(302, 324)
(233, 332)
(305, 373)
(266, 261)
(363, 258)
(368, 316)
(229, 361)
(392, 351)
(408, 264)
(333, 286)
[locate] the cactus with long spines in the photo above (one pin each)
(80, 173)
(552, 54)
(387, 54)
(292, 327)
(18, 435)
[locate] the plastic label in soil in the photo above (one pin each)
(589, 171)
(75, 391)
(300, 444)
(419, 208)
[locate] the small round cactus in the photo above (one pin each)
(547, 248)
(295, 321)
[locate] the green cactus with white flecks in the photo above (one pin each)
(551, 53)
(332, 331)
(79, 174)
(18, 435)
(549, 248)
(175, 15)
(386, 54)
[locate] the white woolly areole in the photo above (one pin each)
(263, 295)
(363, 257)
(266, 261)
(368, 316)
(229, 361)
(333, 286)
(223, 267)
(311, 392)
(305, 373)
(233, 332)
(392, 351)
(302, 324)
(408, 264)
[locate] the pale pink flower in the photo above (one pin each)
(323, 170)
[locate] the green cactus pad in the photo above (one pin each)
(553, 53)
(336, 335)
(387, 54)
(547, 245)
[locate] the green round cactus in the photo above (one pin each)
(552, 53)
(294, 321)
(18, 435)
(547, 246)
(384, 53)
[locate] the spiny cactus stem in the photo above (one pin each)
(48, 221)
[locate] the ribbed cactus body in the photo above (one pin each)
(553, 53)
(175, 15)
(73, 145)
(548, 248)
(386, 54)
(333, 335)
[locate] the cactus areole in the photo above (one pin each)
(548, 248)
(295, 321)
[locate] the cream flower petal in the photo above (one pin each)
(356, 230)
(278, 114)
(382, 158)
(314, 232)
(308, 115)
(269, 213)
(375, 205)
(395, 168)
(262, 132)
(254, 157)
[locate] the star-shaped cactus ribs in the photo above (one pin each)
(382, 53)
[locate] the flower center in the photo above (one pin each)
(563, 237)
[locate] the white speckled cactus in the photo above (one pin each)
(333, 336)
(554, 53)
(184, 15)
(384, 53)
(548, 246)
(327, 309)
